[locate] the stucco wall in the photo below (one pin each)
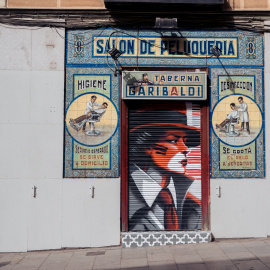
(63, 213)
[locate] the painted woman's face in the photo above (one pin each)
(170, 152)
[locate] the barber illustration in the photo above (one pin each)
(244, 118)
(90, 108)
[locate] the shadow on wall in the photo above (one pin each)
(189, 16)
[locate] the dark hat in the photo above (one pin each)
(160, 120)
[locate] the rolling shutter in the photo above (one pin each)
(165, 168)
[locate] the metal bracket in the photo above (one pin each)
(218, 191)
(93, 192)
(34, 189)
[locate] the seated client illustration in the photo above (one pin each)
(92, 117)
(232, 117)
(158, 183)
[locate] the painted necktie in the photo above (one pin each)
(170, 216)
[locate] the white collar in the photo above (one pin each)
(146, 181)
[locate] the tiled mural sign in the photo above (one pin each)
(238, 124)
(92, 125)
(235, 83)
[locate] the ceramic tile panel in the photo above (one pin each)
(235, 61)
(150, 239)
(92, 147)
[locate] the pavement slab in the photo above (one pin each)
(161, 265)
(231, 247)
(211, 254)
(203, 246)
(136, 268)
(250, 265)
(241, 256)
(103, 259)
(134, 253)
(155, 257)
(113, 252)
(185, 259)
(129, 263)
(220, 265)
(56, 261)
(107, 267)
(260, 251)
(267, 241)
(233, 254)
(253, 243)
(192, 266)
(158, 249)
(10, 260)
(183, 251)
(6, 265)
(80, 261)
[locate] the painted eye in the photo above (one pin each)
(173, 141)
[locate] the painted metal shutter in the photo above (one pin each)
(165, 168)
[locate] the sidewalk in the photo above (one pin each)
(246, 254)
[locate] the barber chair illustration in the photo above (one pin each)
(95, 117)
(230, 128)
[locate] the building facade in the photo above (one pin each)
(160, 141)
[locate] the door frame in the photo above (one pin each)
(205, 161)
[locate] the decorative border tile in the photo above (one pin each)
(149, 239)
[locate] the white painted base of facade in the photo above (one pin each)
(242, 210)
(63, 213)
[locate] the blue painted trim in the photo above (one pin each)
(209, 115)
(119, 137)
(162, 65)
(263, 114)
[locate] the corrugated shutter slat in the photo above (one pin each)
(165, 158)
